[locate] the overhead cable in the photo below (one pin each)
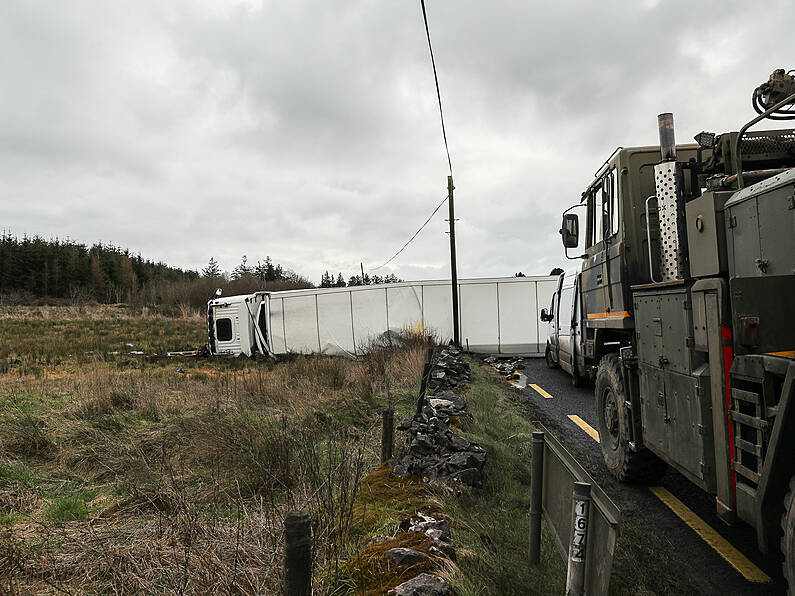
(392, 258)
(436, 79)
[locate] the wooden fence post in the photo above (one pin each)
(298, 554)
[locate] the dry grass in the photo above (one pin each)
(96, 312)
(120, 475)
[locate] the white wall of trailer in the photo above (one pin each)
(497, 315)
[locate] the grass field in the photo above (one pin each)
(119, 474)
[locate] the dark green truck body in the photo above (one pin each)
(708, 355)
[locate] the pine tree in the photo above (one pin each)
(241, 270)
(97, 277)
(340, 283)
(270, 271)
(212, 270)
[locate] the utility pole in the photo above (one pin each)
(453, 268)
(361, 265)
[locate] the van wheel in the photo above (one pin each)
(625, 464)
(550, 359)
(788, 540)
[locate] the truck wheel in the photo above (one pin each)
(625, 464)
(788, 540)
(550, 359)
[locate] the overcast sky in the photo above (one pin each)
(309, 131)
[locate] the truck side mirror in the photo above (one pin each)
(544, 316)
(570, 230)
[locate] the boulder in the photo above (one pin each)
(405, 556)
(425, 584)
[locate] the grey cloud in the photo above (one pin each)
(308, 130)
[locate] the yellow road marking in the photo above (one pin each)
(540, 391)
(734, 557)
(590, 430)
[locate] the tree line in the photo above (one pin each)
(38, 270)
(70, 270)
(34, 269)
(327, 280)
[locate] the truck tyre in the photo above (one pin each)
(549, 358)
(788, 539)
(625, 464)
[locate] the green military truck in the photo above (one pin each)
(688, 313)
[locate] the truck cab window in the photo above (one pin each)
(595, 215)
(612, 185)
(223, 329)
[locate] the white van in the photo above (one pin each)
(564, 343)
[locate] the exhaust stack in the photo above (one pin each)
(670, 205)
(665, 123)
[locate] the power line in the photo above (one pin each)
(444, 136)
(436, 79)
(392, 258)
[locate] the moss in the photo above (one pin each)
(375, 573)
(385, 500)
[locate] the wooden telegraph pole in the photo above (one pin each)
(453, 268)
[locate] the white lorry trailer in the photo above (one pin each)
(497, 316)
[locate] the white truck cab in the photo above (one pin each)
(238, 325)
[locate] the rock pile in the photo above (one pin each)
(433, 449)
(438, 530)
(450, 370)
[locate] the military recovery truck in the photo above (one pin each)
(688, 309)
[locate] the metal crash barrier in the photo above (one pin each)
(580, 516)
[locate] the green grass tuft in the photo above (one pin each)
(67, 509)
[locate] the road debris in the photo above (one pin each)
(510, 368)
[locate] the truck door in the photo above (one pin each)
(594, 270)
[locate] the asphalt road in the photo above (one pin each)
(708, 570)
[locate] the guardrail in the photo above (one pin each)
(582, 519)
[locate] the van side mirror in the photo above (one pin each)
(544, 316)
(570, 230)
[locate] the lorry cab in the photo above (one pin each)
(238, 325)
(564, 346)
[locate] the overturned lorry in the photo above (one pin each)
(497, 315)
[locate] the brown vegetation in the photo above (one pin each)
(118, 474)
